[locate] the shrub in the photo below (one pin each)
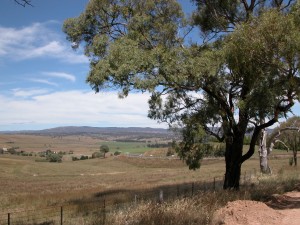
(97, 155)
(117, 153)
(74, 158)
(219, 150)
(170, 151)
(53, 157)
(84, 157)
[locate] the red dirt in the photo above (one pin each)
(281, 210)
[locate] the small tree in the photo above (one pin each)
(104, 149)
(287, 135)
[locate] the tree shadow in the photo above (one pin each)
(284, 202)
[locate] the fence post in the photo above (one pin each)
(193, 184)
(135, 199)
(104, 212)
(214, 183)
(8, 218)
(177, 190)
(161, 196)
(61, 215)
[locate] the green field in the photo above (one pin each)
(126, 147)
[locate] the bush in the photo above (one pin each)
(170, 151)
(219, 150)
(53, 157)
(97, 155)
(117, 153)
(74, 158)
(84, 157)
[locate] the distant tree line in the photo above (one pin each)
(160, 145)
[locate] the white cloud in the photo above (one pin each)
(75, 108)
(66, 76)
(43, 81)
(28, 92)
(34, 41)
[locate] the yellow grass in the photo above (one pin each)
(27, 184)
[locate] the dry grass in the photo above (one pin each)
(27, 184)
(200, 208)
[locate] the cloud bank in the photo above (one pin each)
(73, 108)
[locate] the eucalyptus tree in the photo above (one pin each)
(286, 136)
(245, 72)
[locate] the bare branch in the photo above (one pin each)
(274, 139)
(24, 2)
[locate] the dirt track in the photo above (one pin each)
(281, 210)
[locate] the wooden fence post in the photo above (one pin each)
(8, 218)
(214, 183)
(193, 188)
(104, 212)
(61, 215)
(161, 196)
(135, 199)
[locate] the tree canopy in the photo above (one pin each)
(246, 70)
(104, 149)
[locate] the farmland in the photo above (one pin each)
(27, 183)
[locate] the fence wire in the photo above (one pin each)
(98, 209)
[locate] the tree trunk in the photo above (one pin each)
(233, 155)
(263, 153)
(295, 157)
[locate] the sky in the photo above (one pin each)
(43, 81)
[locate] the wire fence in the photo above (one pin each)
(81, 211)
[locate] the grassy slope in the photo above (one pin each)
(29, 184)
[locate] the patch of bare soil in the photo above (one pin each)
(281, 210)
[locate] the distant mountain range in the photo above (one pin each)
(102, 131)
(85, 130)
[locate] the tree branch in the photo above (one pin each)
(274, 138)
(23, 2)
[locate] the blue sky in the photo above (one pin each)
(42, 80)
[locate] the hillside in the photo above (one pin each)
(136, 132)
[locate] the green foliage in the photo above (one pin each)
(117, 153)
(124, 39)
(287, 134)
(84, 157)
(219, 150)
(247, 140)
(53, 157)
(97, 155)
(104, 149)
